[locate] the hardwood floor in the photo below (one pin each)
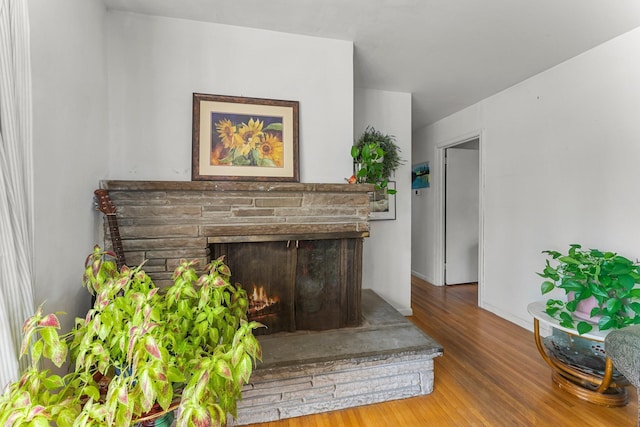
(490, 375)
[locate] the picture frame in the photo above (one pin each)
(244, 139)
(382, 205)
(420, 176)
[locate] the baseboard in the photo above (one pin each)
(423, 277)
(523, 323)
(405, 311)
(419, 276)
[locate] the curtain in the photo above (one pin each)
(16, 186)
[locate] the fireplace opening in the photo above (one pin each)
(261, 304)
(298, 284)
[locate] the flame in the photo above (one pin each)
(259, 300)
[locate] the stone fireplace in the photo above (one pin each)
(295, 248)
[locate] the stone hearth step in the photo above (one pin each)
(302, 373)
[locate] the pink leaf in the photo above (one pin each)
(36, 410)
(223, 269)
(222, 368)
(49, 320)
(219, 282)
(24, 399)
(152, 347)
(123, 396)
(201, 418)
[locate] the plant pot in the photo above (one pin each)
(584, 307)
(164, 420)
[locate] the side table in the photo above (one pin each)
(584, 371)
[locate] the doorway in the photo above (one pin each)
(471, 142)
(461, 218)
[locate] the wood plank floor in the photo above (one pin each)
(490, 375)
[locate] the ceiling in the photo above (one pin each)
(448, 54)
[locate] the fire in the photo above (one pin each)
(259, 301)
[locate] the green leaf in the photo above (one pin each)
(626, 281)
(54, 349)
(67, 416)
(175, 375)
(569, 284)
(274, 126)
(222, 368)
(36, 350)
(552, 254)
(613, 305)
(572, 305)
(598, 291)
(39, 422)
(238, 353)
(148, 392)
(605, 322)
(552, 311)
(635, 306)
(165, 396)
(569, 260)
(92, 391)
(566, 316)
(244, 368)
(567, 323)
(52, 382)
(547, 287)
(265, 162)
(584, 327)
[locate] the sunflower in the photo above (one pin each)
(251, 135)
(226, 131)
(272, 149)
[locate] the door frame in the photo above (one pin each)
(439, 187)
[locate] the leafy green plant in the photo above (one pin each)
(375, 156)
(606, 276)
(139, 348)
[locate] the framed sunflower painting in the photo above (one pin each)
(244, 139)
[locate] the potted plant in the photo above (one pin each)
(375, 157)
(139, 350)
(605, 282)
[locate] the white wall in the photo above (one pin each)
(156, 63)
(560, 161)
(70, 145)
(112, 100)
(387, 253)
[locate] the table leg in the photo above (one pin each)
(593, 388)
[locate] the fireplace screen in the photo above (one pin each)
(298, 285)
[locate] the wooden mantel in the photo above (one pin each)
(165, 221)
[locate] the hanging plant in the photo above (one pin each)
(375, 157)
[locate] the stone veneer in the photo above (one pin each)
(166, 221)
(386, 358)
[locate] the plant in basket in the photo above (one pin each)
(605, 282)
(375, 157)
(140, 350)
